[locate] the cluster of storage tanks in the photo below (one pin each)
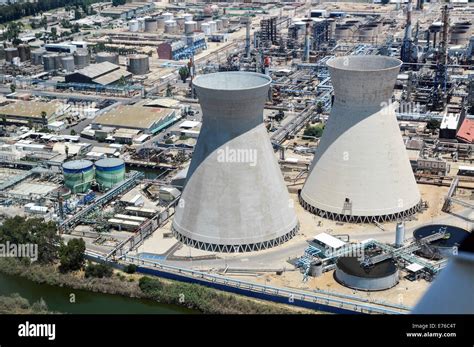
(354, 30)
(21, 53)
(61, 61)
(79, 175)
(138, 64)
(171, 24)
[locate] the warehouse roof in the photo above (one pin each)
(96, 70)
(329, 240)
(31, 109)
(135, 117)
(112, 77)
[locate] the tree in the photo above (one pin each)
(130, 268)
(184, 73)
(77, 14)
(44, 117)
(4, 121)
(433, 124)
(71, 255)
(313, 131)
(12, 88)
(44, 23)
(13, 30)
(21, 230)
(98, 270)
(319, 107)
(54, 33)
(122, 81)
(73, 132)
(118, 2)
(169, 90)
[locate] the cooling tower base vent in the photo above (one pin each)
(210, 247)
(347, 218)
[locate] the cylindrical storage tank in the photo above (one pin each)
(400, 234)
(138, 64)
(108, 172)
(212, 26)
(141, 24)
(231, 214)
(190, 27)
(188, 17)
(160, 23)
(81, 58)
(78, 175)
(316, 268)
(199, 22)
(343, 32)
(366, 34)
(219, 24)
(180, 22)
(167, 16)
(362, 136)
(107, 56)
(379, 276)
(206, 29)
(459, 37)
(49, 62)
(10, 53)
(57, 61)
(443, 247)
(24, 52)
(300, 28)
(133, 25)
(171, 27)
(67, 63)
(151, 25)
(37, 56)
(225, 22)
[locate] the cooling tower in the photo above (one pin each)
(361, 171)
(235, 199)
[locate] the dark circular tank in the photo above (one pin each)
(350, 272)
(443, 247)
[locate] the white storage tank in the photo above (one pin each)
(133, 25)
(190, 27)
(167, 16)
(206, 28)
(171, 27)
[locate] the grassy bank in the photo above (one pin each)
(193, 296)
(15, 304)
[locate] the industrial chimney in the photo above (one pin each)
(235, 198)
(361, 172)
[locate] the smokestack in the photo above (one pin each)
(235, 198)
(247, 38)
(306, 43)
(360, 171)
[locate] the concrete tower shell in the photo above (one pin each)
(230, 204)
(361, 171)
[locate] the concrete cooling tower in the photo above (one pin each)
(361, 172)
(235, 198)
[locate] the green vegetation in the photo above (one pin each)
(433, 124)
(183, 73)
(71, 255)
(312, 131)
(319, 107)
(130, 268)
(10, 12)
(21, 230)
(15, 304)
(118, 2)
(205, 300)
(12, 31)
(12, 88)
(98, 270)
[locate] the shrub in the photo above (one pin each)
(98, 270)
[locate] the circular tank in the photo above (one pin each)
(37, 56)
(180, 22)
(133, 25)
(219, 24)
(10, 53)
(151, 25)
(206, 29)
(81, 58)
(171, 27)
(63, 192)
(167, 16)
(78, 175)
(141, 24)
(459, 37)
(24, 52)
(107, 56)
(213, 26)
(160, 22)
(138, 64)
(49, 61)
(109, 171)
(343, 32)
(441, 248)
(380, 276)
(366, 34)
(225, 22)
(67, 63)
(188, 17)
(190, 27)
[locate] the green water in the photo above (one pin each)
(58, 299)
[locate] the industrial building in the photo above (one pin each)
(146, 119)
(31, 111)
(104, 73)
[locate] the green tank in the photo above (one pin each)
(78, 175)
(108, 172)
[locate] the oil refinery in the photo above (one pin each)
(319, 151)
